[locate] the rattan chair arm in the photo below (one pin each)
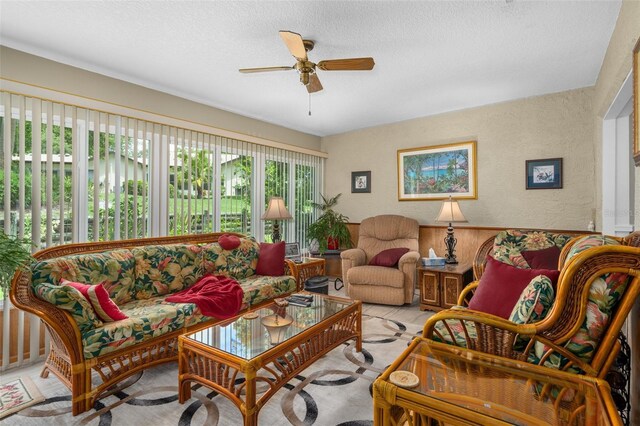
(467, 293)
(480, 259)
(497, 336)
(632, 239)
(478, 318)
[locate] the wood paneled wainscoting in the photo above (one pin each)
(469, 239)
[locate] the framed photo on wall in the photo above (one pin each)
(437, 172)
(544, 174)
(361, 182)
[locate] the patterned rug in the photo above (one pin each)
(335, 390)
(17, 395)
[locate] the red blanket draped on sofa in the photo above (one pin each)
(216, 295)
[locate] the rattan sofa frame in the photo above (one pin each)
(66, 358)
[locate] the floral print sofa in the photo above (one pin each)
(138, 275)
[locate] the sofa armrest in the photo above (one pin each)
(355, 257)
(408, 265)
(409, 259)
(351, 258)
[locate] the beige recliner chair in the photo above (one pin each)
(380, 284)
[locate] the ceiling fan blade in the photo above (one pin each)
(294, 44)
(314, 84)
(264, 69)
(352, 64)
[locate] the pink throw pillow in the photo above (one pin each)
(271, 259)
(501, 285)
(389, 257)
(229, 242)
(543, 259)
(99, 299)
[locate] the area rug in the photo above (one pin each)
(335, 390)
(17, 395)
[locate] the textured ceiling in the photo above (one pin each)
(431, 57)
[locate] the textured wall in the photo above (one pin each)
(556, 125)
(30, 69)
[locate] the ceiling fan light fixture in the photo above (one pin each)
(304, 78)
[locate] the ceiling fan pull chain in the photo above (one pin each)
(309, 104)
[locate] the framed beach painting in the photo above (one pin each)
(436, 172)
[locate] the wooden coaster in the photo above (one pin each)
(250, 315)
(404, 379)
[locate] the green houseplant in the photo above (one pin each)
(13, 255)
(330, 229)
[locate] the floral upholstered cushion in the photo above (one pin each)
(534, 302)
(587, 242)
(114, 268)
(603, 297)
(71, 300)
(259, 288)
(239, 263)
(148, 318)
(162, 270)
(453, 330)
(508, 245)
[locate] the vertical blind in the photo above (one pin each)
(74, 174)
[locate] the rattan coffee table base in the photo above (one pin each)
(222, 372)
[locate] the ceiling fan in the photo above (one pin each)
(307, 69)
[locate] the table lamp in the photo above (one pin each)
(450, 212)
(276, 211)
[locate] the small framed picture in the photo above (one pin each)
(361, 181)
(544, 174)
(292, 252)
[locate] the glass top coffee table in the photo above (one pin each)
(269, 345)
(435, 383)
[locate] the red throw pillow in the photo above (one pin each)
(99, 299)
(271, 259)
(229, 242)
(543, 259)
(389, 257)
(501, 285)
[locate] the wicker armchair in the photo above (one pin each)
(546, 342)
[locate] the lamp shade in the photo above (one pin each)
(276, 210)
(450, 212)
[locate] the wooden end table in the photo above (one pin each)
(440, 286)
(461, 387)
(220, 356)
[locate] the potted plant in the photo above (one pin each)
(13, 255)
(330, 229)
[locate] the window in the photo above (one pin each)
(87, 175)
